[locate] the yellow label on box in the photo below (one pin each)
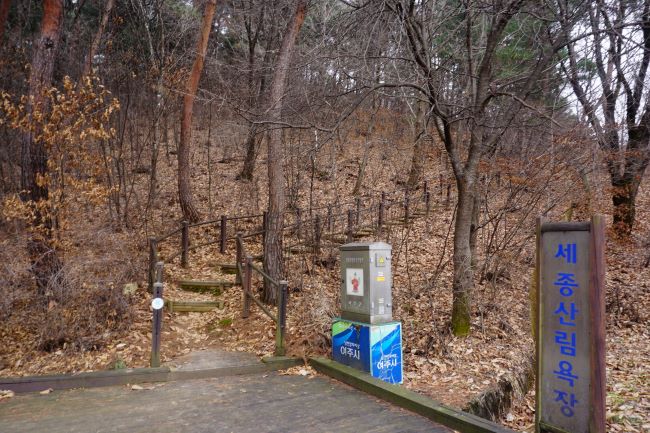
(381, 278)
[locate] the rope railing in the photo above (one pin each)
(370, 211)
(322, 223)
(245, 268)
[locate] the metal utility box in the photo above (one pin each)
(366, 282)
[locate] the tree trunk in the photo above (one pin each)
(624, 192)
(473, 233)
(462, 258)
(273, 261)
(251, 154)
(94, 46)
(43, 256)
(419, 148)
(627, 179)
(252, 140)
(190, 213)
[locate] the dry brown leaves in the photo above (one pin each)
(449, 369)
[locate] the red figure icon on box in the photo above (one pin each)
(355, 284)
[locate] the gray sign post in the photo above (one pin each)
(570, 338)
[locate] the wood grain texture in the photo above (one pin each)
(597, 317)
(402, 397)
(251, 403)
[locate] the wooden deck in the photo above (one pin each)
(256, 402)
(252, 403)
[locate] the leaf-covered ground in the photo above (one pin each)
(449, 369)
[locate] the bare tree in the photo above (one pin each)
(254, 24)
(473, 99)
(419, 146)
(273, 263)
(618, 107)
(94, 46)
(190, 213)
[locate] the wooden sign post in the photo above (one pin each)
(570, 388)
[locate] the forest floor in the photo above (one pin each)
(449, 369)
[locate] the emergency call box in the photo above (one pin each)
(366, 282)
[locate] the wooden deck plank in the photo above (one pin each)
(251, 403)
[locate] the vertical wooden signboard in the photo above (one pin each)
(571, 327)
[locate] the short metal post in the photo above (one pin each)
(380, 217)
(153, 257)
(185, 242)
(280, 340)
(350, 225)
(427, 202)
(246, 286)
(317, 235)
(239, 259)
(159, 272)
(222, 247)
(358, 213)
(156, 327)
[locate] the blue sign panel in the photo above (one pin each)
(386, 355)
(376, 349)
(350, 344)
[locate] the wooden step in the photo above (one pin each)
(337, 239)
(192, 306)
(299, 249)
(215, 287)
(227, 268)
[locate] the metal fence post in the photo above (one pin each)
(239, 259)
(222, 246)
(317, 234)
(159, 272)
(350, 224)
(425, 192)
(280, 340)
(246, 286)
(156, 327)
(153, 257)
(380, 217)
(357, 217)
(185, 242)
(427, 203)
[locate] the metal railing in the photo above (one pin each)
(246, 268)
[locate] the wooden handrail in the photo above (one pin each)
(409, 202)
(266, 276)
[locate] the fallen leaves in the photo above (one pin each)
(6, 393)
